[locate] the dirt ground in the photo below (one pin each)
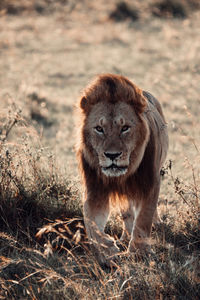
(47, 58)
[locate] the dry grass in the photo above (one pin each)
(55, 260)
(46, 58)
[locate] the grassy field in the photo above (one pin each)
(49, 51)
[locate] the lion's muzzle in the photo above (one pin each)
(113, 166)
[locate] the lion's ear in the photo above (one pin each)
(140, 101)
(84, 103)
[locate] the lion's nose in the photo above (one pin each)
(112, 156)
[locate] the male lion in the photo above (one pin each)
(123, 143)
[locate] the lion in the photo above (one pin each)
(122, 146)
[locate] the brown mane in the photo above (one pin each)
(112, 88)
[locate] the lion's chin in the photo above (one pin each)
(114, 171)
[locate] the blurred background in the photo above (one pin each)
(49, 51)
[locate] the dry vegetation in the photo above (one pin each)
(48, 52)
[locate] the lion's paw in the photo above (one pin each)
(141, 249)
(106, 250)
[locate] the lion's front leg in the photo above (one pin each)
(141, 230)
(96, 214)
(145, 210)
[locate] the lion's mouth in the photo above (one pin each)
(115, 169)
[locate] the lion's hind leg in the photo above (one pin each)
(127, 214)
(156, 218)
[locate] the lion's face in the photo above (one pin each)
(113, 132)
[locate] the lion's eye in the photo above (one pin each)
(125, 128)
(99, 129)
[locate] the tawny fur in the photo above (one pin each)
(122, 145)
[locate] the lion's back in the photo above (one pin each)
(158, 127)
